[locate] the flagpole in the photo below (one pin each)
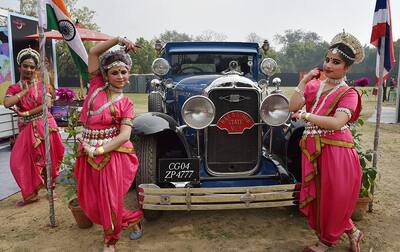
(378, 116)
(42, 44)
(398, 95)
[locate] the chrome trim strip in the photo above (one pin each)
(233, 79)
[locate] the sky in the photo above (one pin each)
(235, 18)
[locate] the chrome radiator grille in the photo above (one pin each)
(233, 153)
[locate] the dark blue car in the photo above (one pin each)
(214, 138)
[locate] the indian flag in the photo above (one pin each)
(54, 15)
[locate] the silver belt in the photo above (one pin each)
(99, 136)
(316, 130)
(31, 118)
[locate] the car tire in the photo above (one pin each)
(146, 150)
(155, 103)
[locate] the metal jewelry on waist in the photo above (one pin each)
(311, 129)
(99, 136)
(31, 118)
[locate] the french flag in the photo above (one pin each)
(382, 29)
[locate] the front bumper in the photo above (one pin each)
(153, 197)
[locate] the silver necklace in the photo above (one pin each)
(333, 81)
(321, 88)
(115, 90)
(104, 106)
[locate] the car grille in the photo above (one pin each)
(233, 153)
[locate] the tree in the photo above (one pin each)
(144, 57)
(210, 35)
(301, 50)
(28, 7)
(253, 37)
(174, 36)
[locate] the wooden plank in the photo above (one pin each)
(218, 198)
(149, 189)
(219, 206)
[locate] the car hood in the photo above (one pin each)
(194, 85)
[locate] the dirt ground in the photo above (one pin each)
(277, 229)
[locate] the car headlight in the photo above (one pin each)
(274, 110)
(160, 66)
(198, 112)
(155, 83)
(268, 66)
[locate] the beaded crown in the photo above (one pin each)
(353, 43)
(27, 51)
(124, 58)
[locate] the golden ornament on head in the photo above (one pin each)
(352, 42)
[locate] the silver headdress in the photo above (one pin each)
(350, 41)
(27, 51)
(121, 59)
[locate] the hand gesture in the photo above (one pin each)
(297, 115)
(314, 73)
(89, 149)
(19, 113)
(25, 88)
(129, 45)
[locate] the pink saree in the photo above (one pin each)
(28, 160)
(104, 180)
(330, 166)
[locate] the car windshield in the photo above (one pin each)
(207, 63)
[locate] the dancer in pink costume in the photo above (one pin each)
(28, 159)
(331, 173)
(106, 164)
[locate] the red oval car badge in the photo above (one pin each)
(235, 122)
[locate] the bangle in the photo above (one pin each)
(120, 40)
(25, 113)
(307, 117)
(300, 92)
(18, 96)
(99, 150)
(91, 151)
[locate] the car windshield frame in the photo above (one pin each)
(202, 63)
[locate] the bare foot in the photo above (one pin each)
(21, 203)
(319, 247)
(108, 248)
(136, 227)
(355, 238)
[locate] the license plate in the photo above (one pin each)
(178, 169)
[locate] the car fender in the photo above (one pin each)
(155, 122)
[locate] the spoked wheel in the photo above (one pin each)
(147, 153)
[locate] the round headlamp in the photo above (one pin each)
(274, 110)
(198, 112)
(155, 83)
(160, 66)
(268, 66)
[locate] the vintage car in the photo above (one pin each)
(214, 137)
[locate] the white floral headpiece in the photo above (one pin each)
(27, 51)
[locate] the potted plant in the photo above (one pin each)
(369, 174)
(66, 97)
(67, 168)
